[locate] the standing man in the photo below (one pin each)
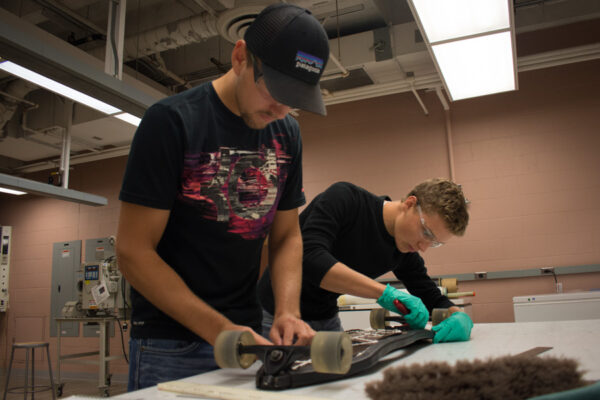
(352, 236)
(211, 172)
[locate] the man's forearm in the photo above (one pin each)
(285, 259)
(344, 280)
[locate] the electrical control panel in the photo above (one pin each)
(5, 243)
(103, 287)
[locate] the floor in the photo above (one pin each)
(70, 388)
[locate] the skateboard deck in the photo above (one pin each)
(368, 347)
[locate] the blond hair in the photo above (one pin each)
(445, 198)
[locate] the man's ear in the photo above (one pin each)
(239, 56)
(411, 201)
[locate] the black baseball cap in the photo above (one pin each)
(293, 48)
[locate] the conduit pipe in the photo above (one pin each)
(448, 126)
(65, 156)
(76, 159)
(414, 91)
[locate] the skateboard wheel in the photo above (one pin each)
(227, 349)
(331, 352)
(438, 315)
(377, 318)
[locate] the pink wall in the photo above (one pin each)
(38, 223)
(528, 161)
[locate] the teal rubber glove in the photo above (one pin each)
(418, 316)
(455, 328)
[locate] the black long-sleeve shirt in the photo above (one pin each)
(345, 224)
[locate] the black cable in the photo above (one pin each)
(114, 5)
(122, 340)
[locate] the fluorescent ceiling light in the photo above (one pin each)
(10, 191)
(132, 119)
(471, 43)
(57, 87)
(478, 66)
(450, 19)
(45, 189)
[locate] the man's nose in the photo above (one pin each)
(279, 110)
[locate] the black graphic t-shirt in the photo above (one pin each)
(223, 183)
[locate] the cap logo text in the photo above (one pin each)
(309, 62)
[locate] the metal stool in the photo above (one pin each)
(29, 388)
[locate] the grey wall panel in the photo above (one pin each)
(66, 262)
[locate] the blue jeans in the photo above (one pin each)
(152, 361)
(330, 324)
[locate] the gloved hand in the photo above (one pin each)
(455, 328)
(418, 316)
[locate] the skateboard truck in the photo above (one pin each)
(330, 352)
(276, 358)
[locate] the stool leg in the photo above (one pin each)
(26, 374)
(32, 373)
(12, 354)
(50, 372)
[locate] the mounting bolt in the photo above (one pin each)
(547, 270)
(480, 275)
(276, 355)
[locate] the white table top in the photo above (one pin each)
(574, 339)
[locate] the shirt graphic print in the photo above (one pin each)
(240, 187)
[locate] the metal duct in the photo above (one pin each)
(14, 94)
(171, 36)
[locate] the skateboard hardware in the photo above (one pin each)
(331, 356)
(276, 358)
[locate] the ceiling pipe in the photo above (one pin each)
(448, 125)
(559, 57)
(344, 73)
(171, 36)
(440, 95)
(76, 159)
(51, 131)
(70, 16)
(206, 7)
(414, 91)
(65, 156)
(157, 61)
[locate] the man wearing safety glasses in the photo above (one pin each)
(213, 171)
(352, 236)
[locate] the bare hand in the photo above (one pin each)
(258, 339)
(288, 330)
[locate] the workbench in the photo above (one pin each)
(103, 352)
(573, 339)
